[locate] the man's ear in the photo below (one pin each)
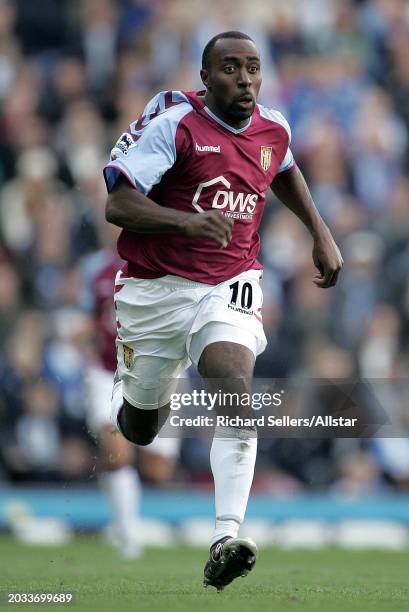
(204, 75)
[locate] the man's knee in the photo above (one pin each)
(138, 426)
(142, 438)
(228, 361)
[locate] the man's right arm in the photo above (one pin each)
(129, 209)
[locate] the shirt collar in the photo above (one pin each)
(226, 125)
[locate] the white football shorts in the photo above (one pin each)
(164, 324)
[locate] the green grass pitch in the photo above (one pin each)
(170, 579)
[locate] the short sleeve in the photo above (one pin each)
(274, 115)
(288, 160)
(145, 160)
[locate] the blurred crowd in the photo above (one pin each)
(73, 75)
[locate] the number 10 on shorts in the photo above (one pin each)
(242, 293)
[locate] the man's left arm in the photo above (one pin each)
(292, 190)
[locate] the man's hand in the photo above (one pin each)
(327, 259)
(291, 188)
(132, 210)
(211, 225)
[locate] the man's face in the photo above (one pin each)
(233, 78)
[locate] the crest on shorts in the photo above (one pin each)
(265, 157)
(128, 356)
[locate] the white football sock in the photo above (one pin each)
(232, 459)
(122, 488)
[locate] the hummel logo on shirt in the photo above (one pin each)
(208, 148)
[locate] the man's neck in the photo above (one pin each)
(237, 125)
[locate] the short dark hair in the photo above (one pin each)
(208, 48)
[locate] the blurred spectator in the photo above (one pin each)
(10, 298)
(381, 139)
(21, 199)
(41, 27)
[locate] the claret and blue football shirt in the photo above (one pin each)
(182, 156)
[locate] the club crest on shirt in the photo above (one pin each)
(128, 356)
(265, 157)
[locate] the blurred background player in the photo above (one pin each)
(118, 476)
